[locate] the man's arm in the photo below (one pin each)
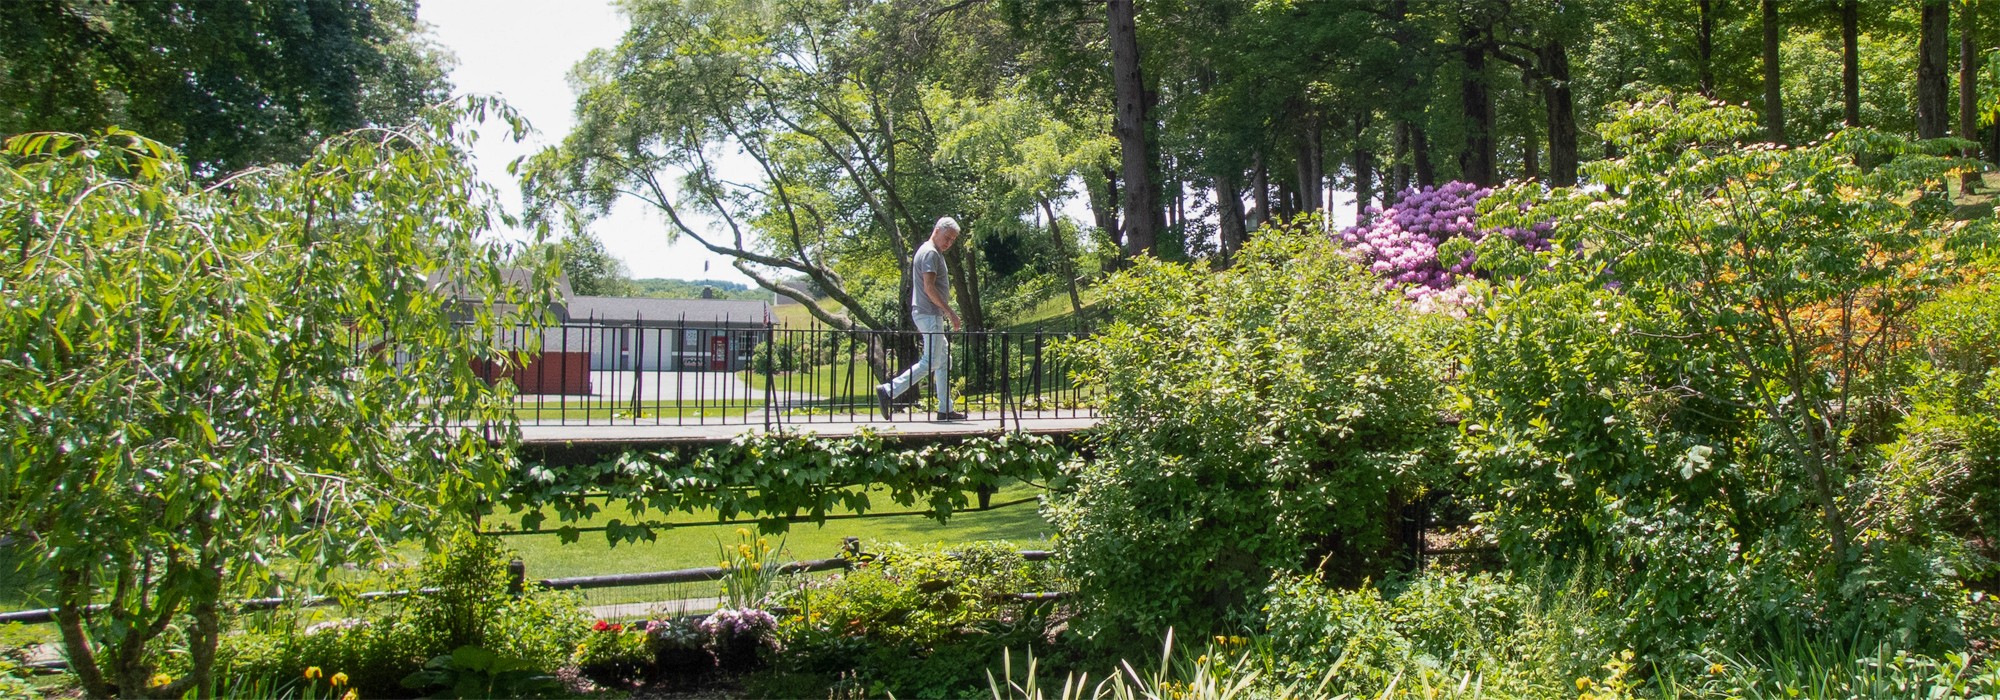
(937, 297)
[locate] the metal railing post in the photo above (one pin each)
(1006, 386)
(638, 354)
(770, 375)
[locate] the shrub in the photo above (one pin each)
(1518, 640)
(1692, 388)
(1278, 415)
(914, 622)
(614, 655)
(1409, 243)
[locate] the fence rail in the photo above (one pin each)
(684, 373)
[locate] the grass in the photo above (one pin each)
(828, 381)
(1055, 314)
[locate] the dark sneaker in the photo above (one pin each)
(950, 415)
(888, 402)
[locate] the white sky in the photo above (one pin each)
(521, 51)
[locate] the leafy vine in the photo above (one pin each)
(776, 478)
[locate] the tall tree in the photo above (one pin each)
(1850, 62)
(1968, 78)
(1132, 122)
(592, 270)
(1704, 42)
(1774, 96)
(1933, 44)
(229, 83)
(1478, 162)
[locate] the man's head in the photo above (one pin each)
(944, 233)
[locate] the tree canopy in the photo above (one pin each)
(228, 83)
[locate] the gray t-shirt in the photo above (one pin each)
(928, 259)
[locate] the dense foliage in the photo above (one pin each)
(1281, 415)
(461, 599)
(203, 383)
(913, 622)
(1695, 386)
(227, 83)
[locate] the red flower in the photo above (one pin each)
(601, 626)
(617, 628)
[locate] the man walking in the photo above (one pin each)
(930, 311)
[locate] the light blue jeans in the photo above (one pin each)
(935, 361)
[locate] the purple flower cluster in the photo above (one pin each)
(1401, 243)
(738, 624)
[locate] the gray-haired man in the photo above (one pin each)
(930, 309)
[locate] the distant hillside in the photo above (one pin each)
(657, 288)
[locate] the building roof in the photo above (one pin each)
(670, 312)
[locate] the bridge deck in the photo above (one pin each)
(977, 423)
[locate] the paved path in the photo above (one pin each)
(979, 423)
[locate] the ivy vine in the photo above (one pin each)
(775, 478)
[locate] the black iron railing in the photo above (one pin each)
(687, 373)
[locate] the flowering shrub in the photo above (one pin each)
(738, 637)
(614, 655)
(725, 625)
(1410, 243)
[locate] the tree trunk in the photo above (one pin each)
(73, 593)
(1307, 163)
(1144, 218)
(1561, 104)
(1260, 193)
(1531, 156)
(965, 283)
(1968, 87)
(1420, 153)
(1933, 40)
(1104, 206)
(1993, 144)
(1364, 167)
(1067, 266)
(1477, 163)
(1704, 48)
(1399, 174)
(1774, 98)
(1229, 212)
(1850, 62)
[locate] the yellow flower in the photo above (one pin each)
(743, 550)
(351, 695)
(723, 565)
(159, 680)
(1582, 683)
(1716, 669)
(340, 678)
(742, 532)
(313, 673)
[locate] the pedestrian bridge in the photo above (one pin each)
(809, 380)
